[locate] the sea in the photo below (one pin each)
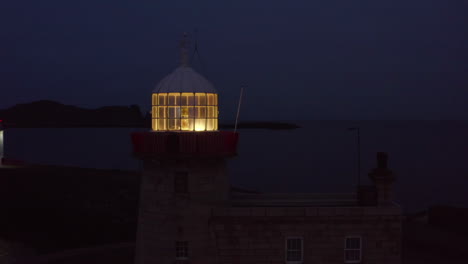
(429, 158)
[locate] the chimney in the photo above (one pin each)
(383, 179)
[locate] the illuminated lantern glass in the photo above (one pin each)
(184, 100)
(184, 111)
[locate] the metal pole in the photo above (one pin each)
(238, 108)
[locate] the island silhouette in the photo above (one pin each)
(47, 113)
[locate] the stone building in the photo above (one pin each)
(190, 214)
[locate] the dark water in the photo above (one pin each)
(430, 158)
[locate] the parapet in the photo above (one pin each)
(185, 144)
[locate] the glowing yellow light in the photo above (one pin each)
(200, 124)
(185, 112)
(162, 99)
(162, 124)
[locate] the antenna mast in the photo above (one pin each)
(184, 50)
(238, 107)
(196, 51)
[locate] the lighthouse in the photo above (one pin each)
(188, 213)
(184, 100)
(184, 174)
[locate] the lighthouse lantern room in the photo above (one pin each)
(184, 172)
(184, 100)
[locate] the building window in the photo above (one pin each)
(294, 250)
(185, 111)
(181, 182)
(181, 248)
(352, 251)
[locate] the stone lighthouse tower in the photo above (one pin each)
(184, 169)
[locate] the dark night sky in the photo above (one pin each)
(338, 59)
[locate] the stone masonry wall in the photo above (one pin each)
(257, 235)
(217, 233)
(166, 217)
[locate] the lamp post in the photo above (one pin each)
(358, 145)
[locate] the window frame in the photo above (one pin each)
(346, 249)
(201, 114)
(301, 250)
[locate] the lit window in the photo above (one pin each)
(181, 250)
(352, 251)
(181, 182)
(294, 250)
(185, 111)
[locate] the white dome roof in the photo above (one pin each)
(184, 80)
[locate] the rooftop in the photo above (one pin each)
(240, 199)
(184, 79)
